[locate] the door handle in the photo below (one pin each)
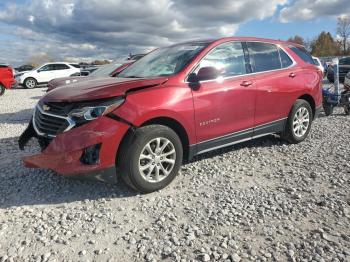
(246, 83)
(292, 75)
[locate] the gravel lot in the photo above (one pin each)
(263, 200)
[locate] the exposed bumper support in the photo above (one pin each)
(63, 154)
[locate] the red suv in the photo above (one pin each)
(6, 78)
(173, 104)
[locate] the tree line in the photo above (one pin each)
(325, 44)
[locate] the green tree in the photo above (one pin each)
(325, 45)
(297, 39)
(39, 59)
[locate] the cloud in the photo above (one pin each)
(312, 9)
(114, 28)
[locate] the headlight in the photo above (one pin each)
(91, 112)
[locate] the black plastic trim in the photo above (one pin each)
(108, 175)
(218, 142)
(237, 137)
(119, 119)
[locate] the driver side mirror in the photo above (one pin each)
(205, 73)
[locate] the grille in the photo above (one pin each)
(61, 109)
(48, 124)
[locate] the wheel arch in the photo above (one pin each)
(308, 98)
(2, 89)
(177, 127)
(25, 79)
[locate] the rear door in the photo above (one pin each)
(224, 107)
(61, 70)
(277, 82)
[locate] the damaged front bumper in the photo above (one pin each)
(87, 151)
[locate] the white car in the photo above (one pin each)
(318, 63)
(46, 72)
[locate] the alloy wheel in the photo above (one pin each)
(30, 83)
(157, 159)
(301, 122)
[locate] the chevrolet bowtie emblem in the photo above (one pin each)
(46, 107)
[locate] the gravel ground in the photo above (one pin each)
(263, 200)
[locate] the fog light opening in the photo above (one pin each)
(91, 155)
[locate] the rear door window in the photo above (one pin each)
(263, 56)
(303, 54)
(60, 66)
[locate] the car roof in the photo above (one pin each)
(240, 38)
(49, 63)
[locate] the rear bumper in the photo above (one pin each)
(65, 152)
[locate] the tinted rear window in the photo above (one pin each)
(264, 56)
(60, 67)
(75, 65)
(4, 66)
(344, 61)
(303, 54)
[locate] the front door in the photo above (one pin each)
(45, 73)
(224, 106)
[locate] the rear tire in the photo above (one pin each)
(30, 83)
(150, 159)
(328, 109)
(2, 90)
(299, 122)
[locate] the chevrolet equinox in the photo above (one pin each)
(173, 104)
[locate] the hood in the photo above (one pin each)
(100, 88)
(57, 82)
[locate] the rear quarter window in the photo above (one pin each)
(286, 61)
(303, 54)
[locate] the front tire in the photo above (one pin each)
(30, 83)
(2, 90)
(299, 122)
(151, 158)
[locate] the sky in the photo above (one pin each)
(85, 30)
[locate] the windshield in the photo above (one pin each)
(164, 61)
(106, 70)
